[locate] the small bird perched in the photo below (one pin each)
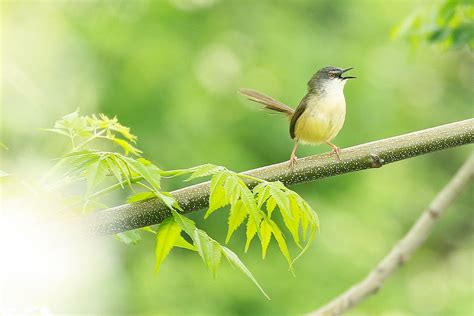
(319, 116)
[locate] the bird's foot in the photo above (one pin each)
(336, 150)
(292, 162)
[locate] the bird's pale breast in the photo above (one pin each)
(322, 119)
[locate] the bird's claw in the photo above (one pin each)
(336, 150)
(292, 162)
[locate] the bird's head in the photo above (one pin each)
(329, 79)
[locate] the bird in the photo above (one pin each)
(320, 114)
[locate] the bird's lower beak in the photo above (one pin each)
(347, 77)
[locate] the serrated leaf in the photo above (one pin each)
(266, 232)
(235, 262)
(140, 196)
(183, 243)
(209, 250)
(95, 175)
(237, 215)
(306, 247)
(204, 170)
(126, 172)
(185, 223)
(144, 171)
(168, 200)
(114, 169)
(216, 200)
(281, 200)
(217, 180)
(313, 217)
(251, 207)
(304, 225)
(293, 223)
(281, 242)
(250, 233)
(232, 188)
(166, 235)
(262, 195)
(271, 204)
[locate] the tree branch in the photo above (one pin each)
(370, 155)
(403, 250)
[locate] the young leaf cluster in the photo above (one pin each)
(256, 206)
(105, 171)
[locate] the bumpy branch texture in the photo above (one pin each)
(404, 248)
(365, 156)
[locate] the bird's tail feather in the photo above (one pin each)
(269, 102)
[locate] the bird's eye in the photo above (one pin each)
(331, 75)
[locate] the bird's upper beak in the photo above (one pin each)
(347, 77)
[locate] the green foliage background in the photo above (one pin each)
(170, 70)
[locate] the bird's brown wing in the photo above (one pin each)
(298, 112)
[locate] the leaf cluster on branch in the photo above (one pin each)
(93, 161)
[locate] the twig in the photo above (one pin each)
(371, 155)
(403, 250)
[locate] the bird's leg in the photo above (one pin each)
(293, 157)
(336, 150)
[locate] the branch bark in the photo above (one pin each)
(370, 155)
(403, 250)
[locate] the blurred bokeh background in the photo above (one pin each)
(170, 70)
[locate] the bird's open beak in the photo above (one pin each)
(347, 77)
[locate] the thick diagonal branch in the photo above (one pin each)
(403, 250)
(365, 156)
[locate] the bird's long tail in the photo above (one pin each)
(269, 102)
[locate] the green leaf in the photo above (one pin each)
(262, 194)
(166, 236)
(203, 171)
(304, 225)
(216, 200)
(126, 146)
(271, 204)
(250, 234)
(168, 200)
(293, 223)
(209, 250)
(235, 262)
(183, 243)
(237, 215)
(281, 242)
(217, 180)
(233, 188)
(129, 237)
(125, 170)
(281, 200)
(146, 171)
(251, 207)
(140, 197)
(95, 175)
(185, 223)
(266, 232)
(114, 169)
(308, 244)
